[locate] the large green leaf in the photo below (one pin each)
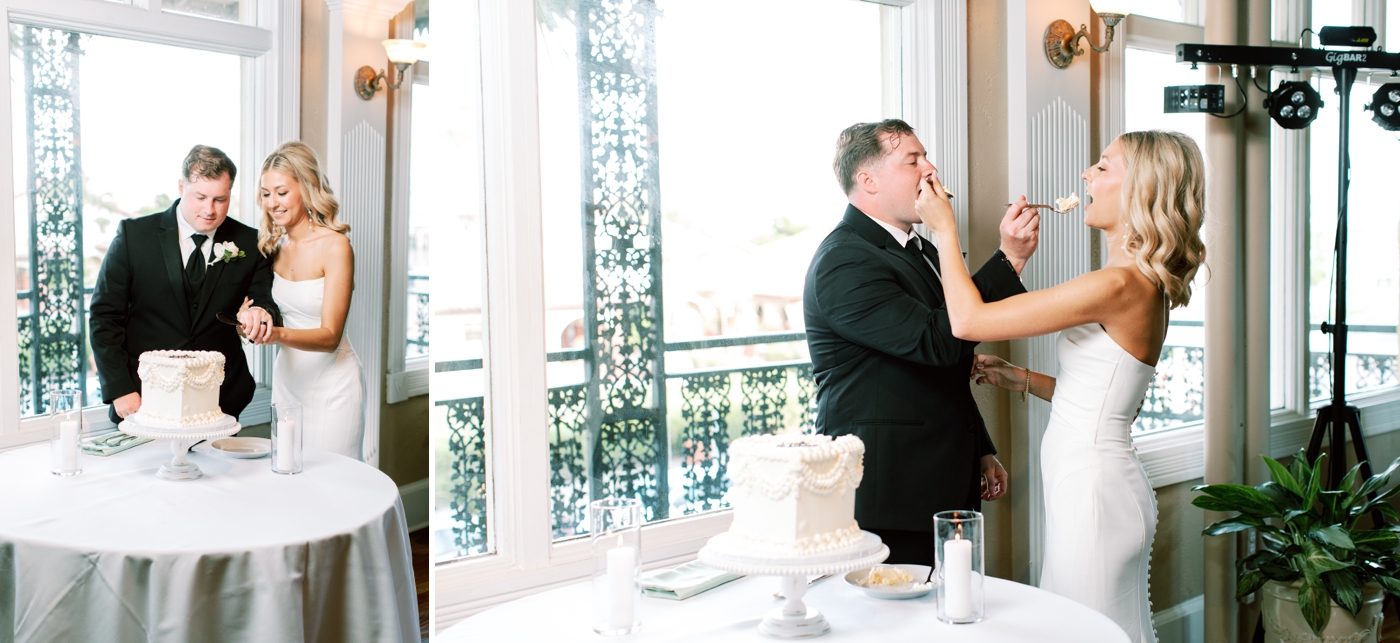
(1376, 539)
(1213, 504)
(1344, 588)
(1283, 477)
(1349, 480)
(1301, 470)
(1375, 482)
(1333, 536)
(1249, 582)
(1232, 525)
(1319, 560)
(1241, 498)
(1282, 498)
(1314, 483)
(1391, 585)
(1315, 604)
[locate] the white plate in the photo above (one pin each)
(916, 572)
(242, 447)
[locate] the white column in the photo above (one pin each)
(356, 162)
(1048, 148)
(1224, 328)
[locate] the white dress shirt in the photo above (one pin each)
(903, 238)
(187, 244)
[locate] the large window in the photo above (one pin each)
(683, 197)
(458, 418)
(1177, 393)
(79, 172)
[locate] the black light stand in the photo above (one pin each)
(1336, 419)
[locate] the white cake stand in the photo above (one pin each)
(793, 620)
(180, 442)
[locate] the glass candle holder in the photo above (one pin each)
(958, 537)
(616, 528)
(65, 446)
(286, 438)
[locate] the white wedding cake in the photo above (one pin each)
(180, 389)
(794, 495)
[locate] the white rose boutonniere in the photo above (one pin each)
(226, 252)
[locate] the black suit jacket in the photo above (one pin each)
(889, 370)
(139, 305)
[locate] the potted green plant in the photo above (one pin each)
(1314, 563)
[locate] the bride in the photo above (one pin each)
(313, 276)
(1147, 195)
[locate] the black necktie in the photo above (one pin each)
(194, 268)
(913, 248)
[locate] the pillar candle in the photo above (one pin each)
(286, 445)
(957, 578)
(621, 586)
(68, 444)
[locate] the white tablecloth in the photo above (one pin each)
(1016, 613)
(117, 554)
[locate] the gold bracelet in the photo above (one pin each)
(1026, 390)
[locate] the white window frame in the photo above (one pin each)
(408, 377)
(270, 113)
(1177, 455)
(524, 558)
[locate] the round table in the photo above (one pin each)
(243, 554)
(1016, 613)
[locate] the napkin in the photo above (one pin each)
(685, 581)
(109, 443)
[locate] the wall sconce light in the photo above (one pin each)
(402, 53)
(1061, 40)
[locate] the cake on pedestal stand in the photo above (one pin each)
(180, 442)
(794, 619)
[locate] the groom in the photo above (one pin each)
(887, 365)
(165, 277)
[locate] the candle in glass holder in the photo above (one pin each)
(957, 578)
(286, 444)
(68, 444)
(621, 584)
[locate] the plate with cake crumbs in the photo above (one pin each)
(892, 582)
(242, 448)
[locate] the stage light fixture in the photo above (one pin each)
(1385, 107)
(1294, 104)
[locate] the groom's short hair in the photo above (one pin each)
(862, 143)
(209, 163)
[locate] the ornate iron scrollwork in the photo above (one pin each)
(467, 443)
(621, 220)
(568, 466)
(1177, 392)
(53, 350)
(705, 439)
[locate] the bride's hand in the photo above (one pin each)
(934, 208)
(246, 303)
(998, 372)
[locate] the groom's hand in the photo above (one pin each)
(257, 324)
(127, 404)
(993, 478)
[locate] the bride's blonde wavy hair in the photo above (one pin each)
(298, 160)
(1163, 201)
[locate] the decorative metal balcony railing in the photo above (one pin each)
(418, 315)
(715, 406)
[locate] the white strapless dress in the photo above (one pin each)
(328, 386)
(1100, 510)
